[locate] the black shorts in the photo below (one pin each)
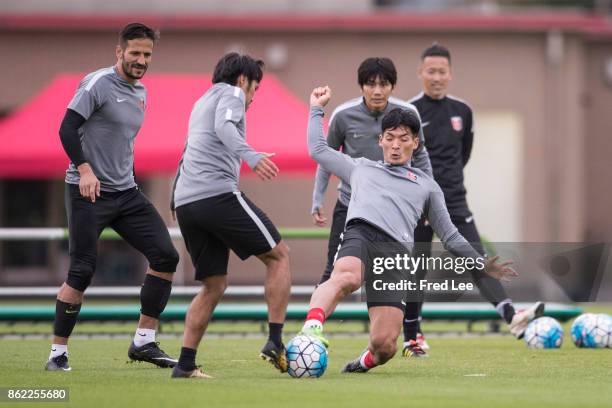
(130, 214)
(365, 241)
(212, 226)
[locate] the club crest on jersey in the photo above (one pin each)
(411, 176)
(457, 123)
(141, 104)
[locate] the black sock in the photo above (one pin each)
(411, 321)
(509, 312)
(187, 359)
(65, 318)
(420, 317)
(276, 333)
(410, 330)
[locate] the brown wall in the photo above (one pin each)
(506, 72)
(598, 136)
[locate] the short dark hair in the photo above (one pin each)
(137, 30)
(401, 117)
(232, 65)
(436, 50)
(374, 67)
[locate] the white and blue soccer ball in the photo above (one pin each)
(307, 357)
(544, 333)
(581, 326)
(599, 332)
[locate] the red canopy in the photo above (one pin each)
(31, 148)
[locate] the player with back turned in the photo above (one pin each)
(98, 132)
(448, 127)
(215, 216)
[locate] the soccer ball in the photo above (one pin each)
(580, 327)
(599, 332)
(544, 333)
(307, 357)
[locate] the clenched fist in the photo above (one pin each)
(320, 96)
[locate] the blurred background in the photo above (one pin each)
(538, 75)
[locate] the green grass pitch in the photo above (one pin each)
(461, 372)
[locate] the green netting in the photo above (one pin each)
(258, 311)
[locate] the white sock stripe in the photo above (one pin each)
(362, 359)
(256, 220)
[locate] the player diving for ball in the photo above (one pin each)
(388, 199)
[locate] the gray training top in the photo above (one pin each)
(216, 144)
(392, 198)
(356, 129)
(114, 111)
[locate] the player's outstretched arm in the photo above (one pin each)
(335, 139)
(500, 270)
(265, 168)
(230, 110)
(454, 242)
(331, 160)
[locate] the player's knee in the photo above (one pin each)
(348, 281)
(164, 260)
(280, 253)
(80, 274)
(282, 250)
(214, 286)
